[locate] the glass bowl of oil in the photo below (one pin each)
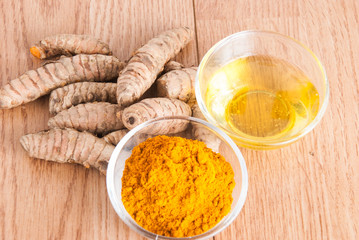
(264, 89)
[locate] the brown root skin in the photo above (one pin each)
(150, 108)
(69, 44)
(68, 146)
(82, 92)
(98, 118)
(172, 65)
(148, 61)
(115, 137)
(36, 83)
(177, 84)
(203, 134)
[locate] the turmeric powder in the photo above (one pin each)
(176, 187)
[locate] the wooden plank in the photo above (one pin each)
(309, 189)
(42, 200)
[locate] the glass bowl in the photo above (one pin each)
(264, 43)
(227, 148)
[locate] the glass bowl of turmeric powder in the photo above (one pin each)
(177, 178)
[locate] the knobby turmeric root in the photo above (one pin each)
(147, 62)
(202, 133)
(69, 44)
(115, 137)
(36, 83)
(172, 65)
(98, 118)
(69, 146)
(82, 92)
(177, 84)
(150, 108)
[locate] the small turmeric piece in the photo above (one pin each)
(36, 83)
(115, 137)
(172, 65)
(176, 187)
(202, 133)
(147, 62)
(69, 44)
(177, 84)
(98, 118)
(150, 108)
(82, 92)
(69, 146)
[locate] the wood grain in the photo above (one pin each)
(308, 190)
(43, 200)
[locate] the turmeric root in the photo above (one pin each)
(150, 108)
(82, 92)
(98, 118)
(69, 44)
(177, 84)
(115, 137)
(147, 62)
(172, 65)
(69, 146)
(36, 83)
(202, 133)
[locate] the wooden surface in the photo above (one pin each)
(308, 190)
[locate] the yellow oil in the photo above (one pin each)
(262, 97)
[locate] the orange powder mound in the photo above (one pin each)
(177, 187)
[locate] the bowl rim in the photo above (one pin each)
(250, 142)
(110, 185)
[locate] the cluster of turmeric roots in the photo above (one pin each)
(91, 112)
